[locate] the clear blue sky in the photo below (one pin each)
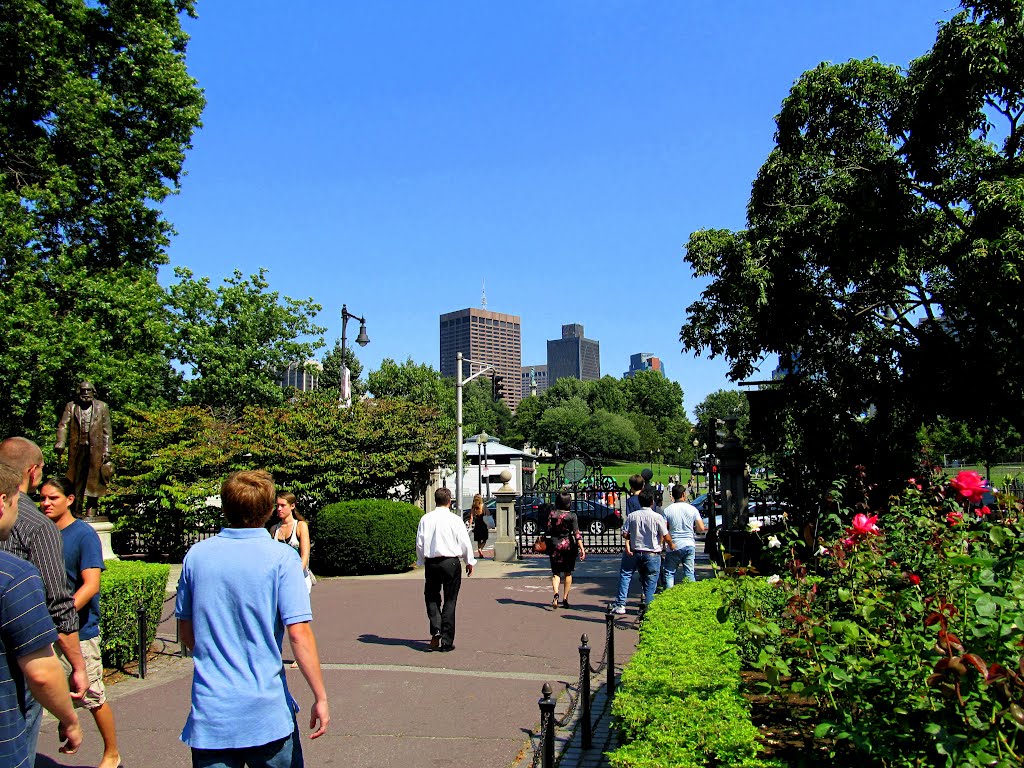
(394, 155)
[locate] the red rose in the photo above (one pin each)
(970, 485)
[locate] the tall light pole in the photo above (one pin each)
(481, 460)
(345, 385)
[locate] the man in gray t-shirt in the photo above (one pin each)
(647, 533)
(682, 520)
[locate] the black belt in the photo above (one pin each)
(439, 559)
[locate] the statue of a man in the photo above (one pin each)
(85, 429)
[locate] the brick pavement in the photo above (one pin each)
(393, 702)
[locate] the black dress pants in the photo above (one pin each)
(443, 575)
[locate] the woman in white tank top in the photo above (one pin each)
(293, 530)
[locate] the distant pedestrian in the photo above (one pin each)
(239, 592)
(441, 540)
(682, 520)
(83, 563)
(566, 544)
(480, 529)
(627, 566)
(292, 529)
(648, 534)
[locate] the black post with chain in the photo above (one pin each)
(609, 624)
(140, 614)
(586, 734)
(547, 727)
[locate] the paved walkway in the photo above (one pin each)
(392, 701)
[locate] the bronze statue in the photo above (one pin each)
(88, 445)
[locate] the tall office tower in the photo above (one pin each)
(540, 378)
(296, 375)
(643, 361)
(573, 356)
(487, 337)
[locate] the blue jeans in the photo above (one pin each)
(671, 560)
(283, 753)
(649, 566)
(626, 569)
(33, 719)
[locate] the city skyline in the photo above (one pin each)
(393, 157)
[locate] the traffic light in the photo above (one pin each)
(497, 386)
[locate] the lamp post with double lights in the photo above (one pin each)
(345, 385)
(481, 446)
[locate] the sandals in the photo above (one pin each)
(565, 602)
(554, 601)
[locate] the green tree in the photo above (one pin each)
(524, 428)
(888, 194)
(234, 340)
(653, 395)
(415, 382)
(563, 428)
(482, 413)
(723, 403)
(96, 112)
(610, 436)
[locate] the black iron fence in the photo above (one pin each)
(599, 511)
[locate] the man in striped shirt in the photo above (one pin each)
(26, 635)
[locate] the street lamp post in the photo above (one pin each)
(481, 458)
(345, 385)
(696, 459)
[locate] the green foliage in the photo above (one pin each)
(236, 339)
(754, 605)
(888, 193)
(330, 377)
(356, 538)
(679, 702)
(124, 586)
(910, 636)
(96, 112)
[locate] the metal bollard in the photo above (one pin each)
(586, 734)
(140, 613)
(609, 624)
(547, 727)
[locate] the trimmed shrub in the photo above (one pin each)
(356, 538)
(757, 604)
(679, 702)
(124, 586)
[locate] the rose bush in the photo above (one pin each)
(908, 630)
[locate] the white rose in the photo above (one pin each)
(773, 541)
(774, 578)
(754, 526)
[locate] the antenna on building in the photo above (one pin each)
(483, 294)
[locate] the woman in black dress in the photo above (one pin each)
(564, 544)
(480, 530)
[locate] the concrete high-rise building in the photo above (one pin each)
(643, 361)
(487, 337)
(573, 356)
(296, 375)
(540, 377)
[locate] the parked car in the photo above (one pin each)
(531, 515)
(596, 517)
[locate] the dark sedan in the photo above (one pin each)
(596, 517)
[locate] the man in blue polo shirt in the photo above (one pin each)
(237, 594)
(26, 635)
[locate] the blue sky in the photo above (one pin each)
(395, 155)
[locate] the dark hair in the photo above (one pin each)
(677, 491)
(62, 484)
(563, 501)
(247, 498)
(636, 483)
(646, 499)
(442, 497)
(292, 501)
(10, 480)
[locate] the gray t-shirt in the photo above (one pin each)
(646, 529)
(680, 517)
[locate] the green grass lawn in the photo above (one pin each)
(622, 471)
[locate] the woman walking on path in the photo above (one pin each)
(565, 545)
(480, 529)
(293, 530)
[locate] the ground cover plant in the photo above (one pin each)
(906, 628)
(679, 702)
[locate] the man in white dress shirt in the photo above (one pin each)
(441, 540)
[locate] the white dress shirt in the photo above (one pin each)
(442, 533)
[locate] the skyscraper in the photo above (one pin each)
(487, 337)
(643, 361)
(573, 356)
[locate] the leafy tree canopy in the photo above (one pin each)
(236, 339)
(883, 255)
(97, 110)
(330, 377)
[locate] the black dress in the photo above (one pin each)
(563, 536)
(480, 531)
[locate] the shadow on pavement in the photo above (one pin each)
(416, 645)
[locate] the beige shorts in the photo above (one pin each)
(96, 693)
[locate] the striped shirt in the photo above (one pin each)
(35, 538)
(25, 626)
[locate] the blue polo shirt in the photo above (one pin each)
(25, 626)
(240, 589)
(82, 550)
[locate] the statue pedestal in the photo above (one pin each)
(103, 527)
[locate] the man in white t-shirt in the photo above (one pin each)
(682, 519)
(648, 535)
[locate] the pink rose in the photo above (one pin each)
(982, 511)
(915, 579)
(865, 525)
(970, 485)
(954, 517)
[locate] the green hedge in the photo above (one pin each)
(679, 703)
(355, 538)
(124, 585)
